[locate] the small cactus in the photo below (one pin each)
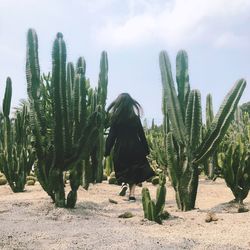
(154, 210)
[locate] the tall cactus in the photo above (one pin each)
(101, 94)
(64, 133)
(210, 164)
(185, 148)
(16, 154)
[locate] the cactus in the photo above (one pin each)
(234, 158)
(108, 165)
(16, 154)
(156, 137)
(184, 146)
(98, 152)
(64, 126)
(210, 164)
(154, 210)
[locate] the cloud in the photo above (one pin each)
(230, 40)
(176, 21)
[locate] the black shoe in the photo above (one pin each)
(123, 189)
(132, 199)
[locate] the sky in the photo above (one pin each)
(215, 34)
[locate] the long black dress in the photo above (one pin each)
(130, 151)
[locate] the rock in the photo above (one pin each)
(113, 201)
(211, 216)
(31, 177)
(30, 183)
(3, 181)
(126, 215)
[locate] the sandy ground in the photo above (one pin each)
(30, 221)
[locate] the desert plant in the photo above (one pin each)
(234, 157)
(154, 210)
(101, 96)
(210, 164)
(16, 154)
(64, 126)
(185, 149)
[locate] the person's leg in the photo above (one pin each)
(132, 192)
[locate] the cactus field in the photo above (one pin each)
(58, 191)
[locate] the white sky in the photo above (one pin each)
(215, 33)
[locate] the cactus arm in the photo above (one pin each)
(81, 66)
(76, 118)
(86, 142)
(145, 200)
(32, 65)
(103, 79)
(221, 122)
(173, 105)
(160, 199)
(173, 167)
(193, 119)
(209, 110)
(58, 71)
(182, 79)
(151, 211)
(7, 97)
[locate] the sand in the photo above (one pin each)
(30, 221)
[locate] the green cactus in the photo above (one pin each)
(108, 165)
(154, 210)
(184, 146)
(234, 157)
(156, 137)
(16, 154)
(64, 125)
(101, 96)
(210, 164)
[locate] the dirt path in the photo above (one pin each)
(29, 221)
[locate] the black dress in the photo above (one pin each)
(130, 151)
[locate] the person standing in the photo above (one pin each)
(127, 136)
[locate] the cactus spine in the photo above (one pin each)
(185, 150)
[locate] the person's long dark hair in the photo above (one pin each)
(124, 108)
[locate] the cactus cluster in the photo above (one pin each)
(154, 210)
(16, 153)
(185, 148)
(66, 118)
(234, 157)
